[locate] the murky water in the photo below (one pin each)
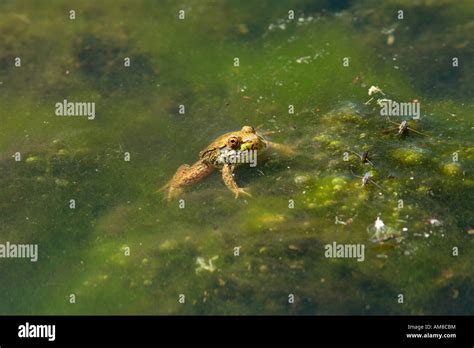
(124, 250)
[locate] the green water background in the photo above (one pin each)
(190, 62)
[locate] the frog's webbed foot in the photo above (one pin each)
(286, 150)
(173, 192)
(230, 182)
(173, 186)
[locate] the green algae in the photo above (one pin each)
(281, 248)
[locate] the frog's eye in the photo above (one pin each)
(233, 142)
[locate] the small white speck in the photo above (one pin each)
(379, 225)
(435, 222)
(304, 60)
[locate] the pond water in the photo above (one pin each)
(212, 69)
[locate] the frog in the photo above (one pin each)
(215, 157)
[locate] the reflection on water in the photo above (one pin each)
(164, 88)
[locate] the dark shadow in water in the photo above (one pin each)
(426, 40)
(103, 62)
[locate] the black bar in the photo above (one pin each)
(131, 330)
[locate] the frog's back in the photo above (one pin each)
(213, 147)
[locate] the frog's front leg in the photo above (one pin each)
(229, 181)
(188, 175)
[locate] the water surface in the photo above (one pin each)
(190, 62)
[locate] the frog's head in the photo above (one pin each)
(250, 139)
(247, 129)
(245, 139)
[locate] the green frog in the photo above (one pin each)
(222, 154)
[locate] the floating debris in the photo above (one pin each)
(305, 60)
(390, 39)
(280, 25)
(402, 128)
(203, 266)
(381, 233)
(367, 178)
(435, 222)
(364, 157)
(375, 89)
(339, 222)
(379, 225)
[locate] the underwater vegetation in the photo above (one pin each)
(352, 178)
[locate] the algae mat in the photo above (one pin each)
(101, 102)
